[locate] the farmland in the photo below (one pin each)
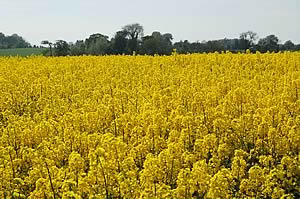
(21, 51)
(216, 125)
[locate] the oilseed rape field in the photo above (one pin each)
(217, 125)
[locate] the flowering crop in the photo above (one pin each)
(181, 126)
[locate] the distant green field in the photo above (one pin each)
(21, 51)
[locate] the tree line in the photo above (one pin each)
(131, 40)
(12, 41)
(247, 40)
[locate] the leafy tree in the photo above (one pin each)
(119, 42)
(2, 36)
(150, 45)
(16, 41)
(167, 45)
(232, 44)
(196, 47)
(216, 45)
(2, 40)
(61, 48)
(182, 46)
(269, 43)
(78, 48)
(97, 44)
(289, 45)
(13, 41)
(157, 44)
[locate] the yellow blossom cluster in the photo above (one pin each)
(217, 125)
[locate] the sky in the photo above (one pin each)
(194, 20)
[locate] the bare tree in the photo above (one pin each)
(248, 39)
(134, 32)
(46, 42)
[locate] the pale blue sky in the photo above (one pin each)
(194, 20)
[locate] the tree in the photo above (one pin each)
(2, 36)
(231, 44)
(13, 41)
(157, 43)
(289, 45)
(97, 44)
(248, 39)
(215, 45)
(167, 43)
(269, 43)
(17, 41)
(119, 42)
(61, 48)
(150, 45)
(78, 48)
(2, 40)
(183, 46)
(50, 44)
(134, 32)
